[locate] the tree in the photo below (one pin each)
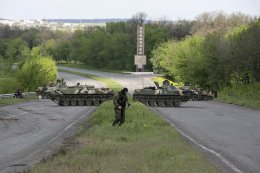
(180, 29)
(37, 71)
(62, 51)
(138, 18)
(218, 59)
(48, 48)
(154, 35)
(31, 37)
(162, 58)
(218, 21)
(14, 49)
(245, 49)
(117, 51)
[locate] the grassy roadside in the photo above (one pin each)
(243, 95)
(145, 143)
(10, 101)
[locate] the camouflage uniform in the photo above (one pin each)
(120, 100)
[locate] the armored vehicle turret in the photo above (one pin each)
(60, 83)
(165, 95)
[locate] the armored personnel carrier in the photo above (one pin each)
(78, 95)
(197, 95)
(166, 95)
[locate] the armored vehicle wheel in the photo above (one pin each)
(152, 103)
(145, 102)
(88, 102)
(169, 103)
(81, 103)
(96, 102)
(177, 104)
(66, 102)
(161, 104)
(73, 103)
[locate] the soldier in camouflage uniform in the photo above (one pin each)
(120, 101)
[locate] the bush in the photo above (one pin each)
(37, 71)
(244, 95)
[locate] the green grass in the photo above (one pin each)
(243, 95)
(145, 143)
(10, 101)
(84, 66)
(109, 82)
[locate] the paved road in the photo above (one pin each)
(132, 81)
(226, 132)
(32, 130)
(72, 80)
(229, 134)
(229, 130)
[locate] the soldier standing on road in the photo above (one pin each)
(120, 101)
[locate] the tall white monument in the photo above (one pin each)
(140, 57)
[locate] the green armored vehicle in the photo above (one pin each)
(78, 95)
(196, 95)
(166, 95)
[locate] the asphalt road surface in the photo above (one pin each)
(229, 135)
(132, 81)
(33, 130)
(72, 80)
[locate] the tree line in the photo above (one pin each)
(212, 40)
(213, 60)
(22, 64)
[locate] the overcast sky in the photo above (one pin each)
(100, 9)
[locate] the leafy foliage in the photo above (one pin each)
(8, 85)
(37, 71)
(214, 51)
(214, 61)
(114, 46)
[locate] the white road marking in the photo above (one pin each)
(223, 159)
(69, 126)
(63, 131)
